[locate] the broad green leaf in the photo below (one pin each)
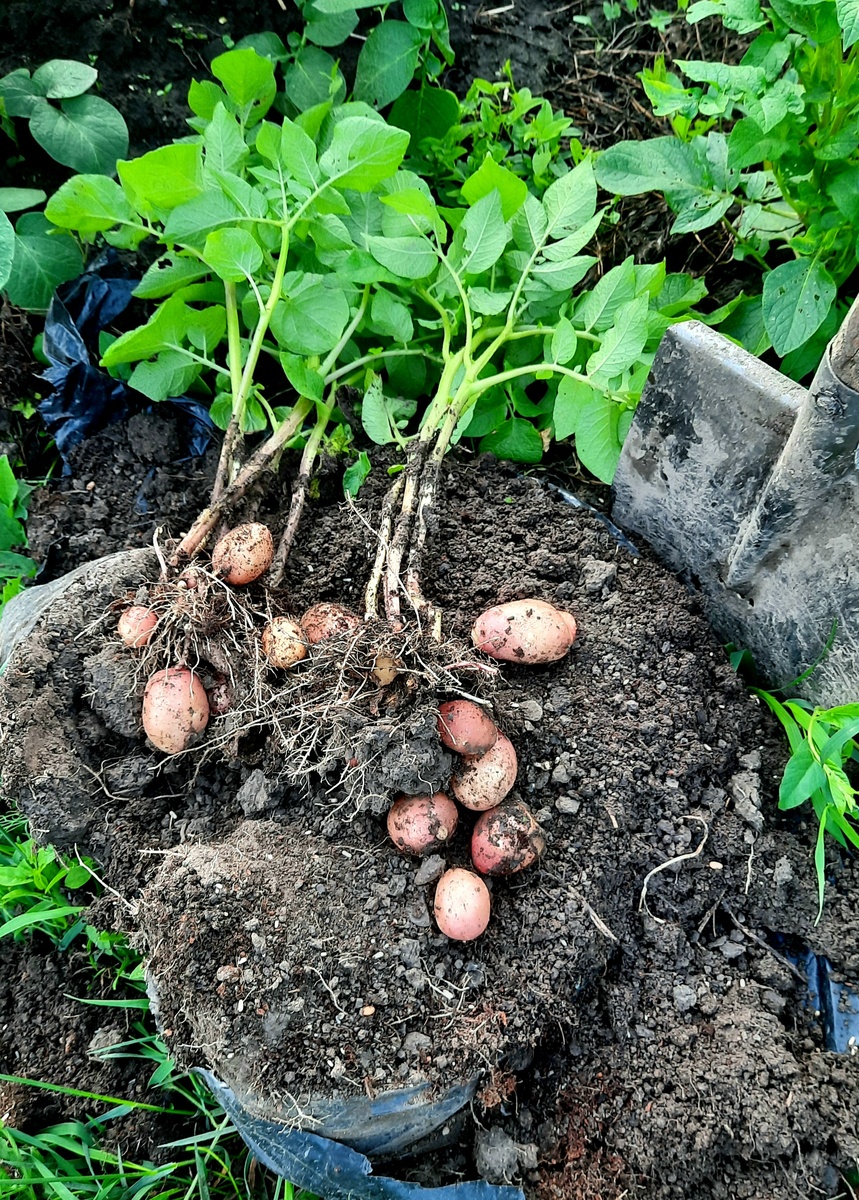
(233, 254)
(167, 274)
(391, 317)
(571, 200)
(563, 276)
(623, 343)
(164, 178)
(678, 293)
(573, 242)
(387, 63)
(573, 395)
(205, 327)
(355, 474)
(248, 79)
(597, 436)
(308, 80)
(425, 112)
(847, 12)
(167, 325)
(204, 96)
(375, 413)
(304, 379)
(816, 21)
(7, 249)
(330, 233)
(491, 176)
(63, 78)
(191, 222)
(362, 153)
(421, 13)
(20, 96)
(697, 210)
(514, 439)
(13, 566)
(8, 483)
(341, 6)
(267, 44)
(563, 342)
(530, 226)
(328, 29)
(298, 154)
(15, 199)
(484, 233)
(486, 415)
(170, 375)
(89, 204)
(803, 776)
(482, 300)
(796, 298)
(226, 149)
(312, 316)
(407, 257)
(42, 261)
(655, 165)
(597, 309)
(85, 133)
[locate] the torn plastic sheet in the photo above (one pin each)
(836, 1001)
(85, 400)
(330, 1169)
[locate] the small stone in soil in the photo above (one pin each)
(431, 869)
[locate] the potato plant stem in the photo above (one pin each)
(299, 493)
(228, 465)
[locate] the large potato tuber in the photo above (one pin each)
(422, 824)
(461, 905)
(506, 839)
(524, 631)
(243, 554)
(484, 782)
(175, 709)
(466, 727)
(326, 619)
(136, 626)
(283, 642)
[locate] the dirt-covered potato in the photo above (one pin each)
(462, 905)
(327, 619)
(385, 670)
(175, 709)
(506, 839)
(243, 554)
(483, 782)
(422, 824)
(283, 642)
(136, 626)
(466, 727)
(524, 631)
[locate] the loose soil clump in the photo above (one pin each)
(627, 1021)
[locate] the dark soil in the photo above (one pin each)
(671, 1053)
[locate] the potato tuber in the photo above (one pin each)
(283, 642)
(484, 782)
(136, 626)
(524, 631)
(327, 619)
(466, 727)
(506, 839)
(243, 554)
(461, 905)
(422, 824)
(175, 709)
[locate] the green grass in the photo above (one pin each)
(83, 1159)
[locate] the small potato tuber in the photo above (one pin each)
(524, 631)
(506, 839)
(175, 709)
(283, 642)
(466, 727)
(422, 824)
(136, 626)
(243, 554)
(385, 670)
(461, 905)
(484, 782)
(326, 619)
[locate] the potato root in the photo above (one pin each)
(283, 642)
(136, 626)
(524, 631)
(466, 727)
(506, 839)
(326, 620)
(462, 905)
(175, 709)
(483, 782)
(422, 824)
(243, 554)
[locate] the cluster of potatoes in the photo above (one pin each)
(506, 837)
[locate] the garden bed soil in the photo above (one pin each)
(658, 1050)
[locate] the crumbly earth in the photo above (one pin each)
(634, 1031)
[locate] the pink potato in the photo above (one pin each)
(461, 905)
(483, 782)
(136, 626)
(506, 839)
(466, 727)
(524, 631)
(327, 619)
(243, 554)
(175, 709)
(422, 824)
(283, 642)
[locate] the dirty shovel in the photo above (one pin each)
(748, 486)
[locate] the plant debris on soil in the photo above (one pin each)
(630, 1024)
